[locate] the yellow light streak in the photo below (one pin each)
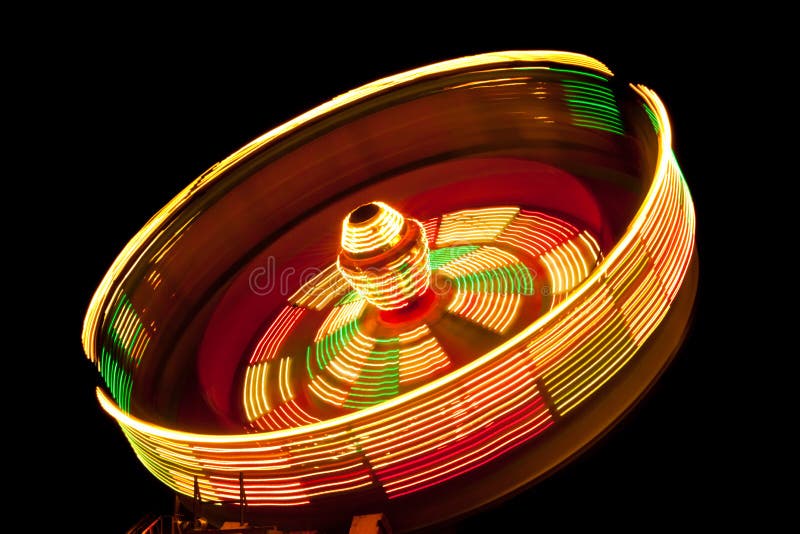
(474, 225)
(321, 290)
(256, 390)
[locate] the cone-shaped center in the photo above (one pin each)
(364, 213)
(384, 256)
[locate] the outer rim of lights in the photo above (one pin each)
(90, 322)
(122, 263)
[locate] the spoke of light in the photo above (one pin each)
(321, 290)
(340, 316)
(489, 282)
(495, 311)
(284, 379)
(442, 256)
(269, 344)
(483, 259)
(474, 225)
(421, 360)
(370, 370)
(570, 263)
(536, 233)
(256, 390)
(289, 414)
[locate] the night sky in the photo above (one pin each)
(138, 121)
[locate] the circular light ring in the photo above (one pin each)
(432, 434)
(94, 313)
(497, 268)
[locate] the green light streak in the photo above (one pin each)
(348, 298)
(582, 73)
(308, 363)
(442, 256)
(653, 118)
(603, 109)
(117, 379)
(331, 345)
(593, 106)
(597, 126)
(379, 378)
(513, 279)
(116, 311)
(116, 336)
(591, 87)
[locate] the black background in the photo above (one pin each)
(136, 119)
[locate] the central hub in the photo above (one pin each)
(384, 256)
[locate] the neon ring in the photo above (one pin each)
(455, 277)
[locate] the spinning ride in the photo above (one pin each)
(416, 298)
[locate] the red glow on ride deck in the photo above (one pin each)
(241, 312)
(414, 311)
